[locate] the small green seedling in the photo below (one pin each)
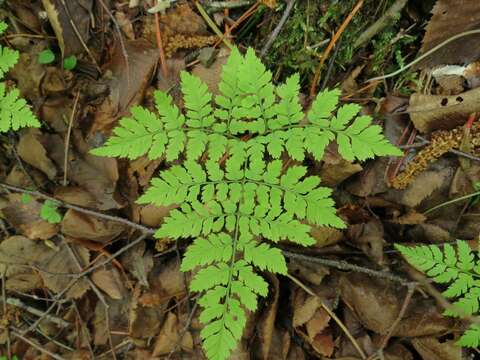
(70, 62)
(47, 56)
(49, 212)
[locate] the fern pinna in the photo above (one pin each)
(461, 270)
(14, 111)
(234, 193)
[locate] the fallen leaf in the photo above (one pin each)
(32, 151)
(442, 112)
(61, 262)
(127, 84)
(83, 226)
(431, 348)
(169, 336)
(109, 281)
(26, 218)
(449, 19)
(62, 14)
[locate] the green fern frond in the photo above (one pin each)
(233, 194)
(457, 268)
(14, 111)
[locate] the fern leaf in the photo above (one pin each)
(471, 337)
(14, 112)
(265, 257)
(3, 27)
(233, 191)
(8, 59)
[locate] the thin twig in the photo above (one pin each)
(32, 343)
(331, 44)
(79, 36)
(184, 331)
(278, 28)
(54, 319)
(331, 314)
(401, 313)
(161, 50)
(425, 55)
(63, 204)
(67, 139)
(345, 266)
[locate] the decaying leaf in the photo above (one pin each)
(82, 226)
(61, 15)
(32, 151)
(26, 218)
(442, 112)
(451, 18)
(168, 337)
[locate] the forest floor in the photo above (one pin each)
(82, 275)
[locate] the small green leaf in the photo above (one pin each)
(26, 198)
(70, 62)
(49, 212)
(47, 56)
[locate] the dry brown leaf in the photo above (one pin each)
(377, 303)
(145, 321)
(87, 227)
(324, 344)
(325, 236)
(126, 87)
(410, 218)
(118, 311)
(441, 112)
(61, 18)
(138, 263)
(109, 281)
(451, 18)
(151, 215)
(26, 218)
(28, 73)
(31, 150)
(97, 175)
(304, 308)
(317, 323)
(431, 348)
(266, 322)
(425, 185)
(169, 335)
(62, 262)
(335, 169)
(75, 195)
(16, 253)
(167, 280)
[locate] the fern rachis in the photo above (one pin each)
(232, 191)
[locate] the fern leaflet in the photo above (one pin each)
(460, 269)
(14, 111)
